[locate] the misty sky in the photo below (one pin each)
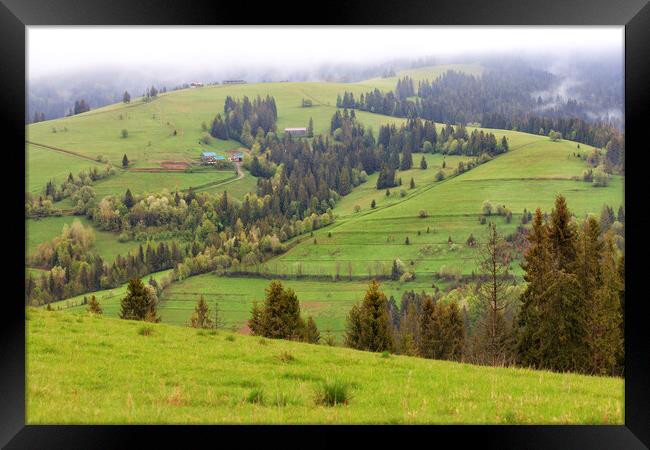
(62, 49)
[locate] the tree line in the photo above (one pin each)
(243, 119)
(568, 317)
(497, 99)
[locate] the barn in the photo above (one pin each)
(298, 132)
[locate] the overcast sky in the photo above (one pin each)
(60, 49)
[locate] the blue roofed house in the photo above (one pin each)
(237, 157)
(211, 157)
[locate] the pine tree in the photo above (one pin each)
(407, 160)
(562, 234)
(493, 265)
(429, 345)
(128, 199)
(201, 316)
(94, 306)
(600, 286)
(279, 317)
(139, 302)
(452, 331)
(353, 327)
(219, 321)
(311, 333)
(537, 266)
(375, 322)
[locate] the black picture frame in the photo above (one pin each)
(15, 15)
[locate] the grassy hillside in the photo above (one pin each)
(43, 165)
(328, 302)
(164, 374)
(529, 176)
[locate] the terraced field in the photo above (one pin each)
(529, 176)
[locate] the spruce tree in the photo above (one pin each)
(201, 316)
(139, 302)
(125, 161)
(311, 333)
(538, 267)
(375, 323)
(429, 345)
(94, 306)
(423, 163)
(128, 199)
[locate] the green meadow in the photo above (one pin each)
(43, 165)
(84, 369)
(529, 176)
(328, 302)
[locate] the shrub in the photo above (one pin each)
(440, 175)
(601, 178)
(145, 330)
(423, 213)
(125, 133)
(286, 357)
(357, 208)
(487, 208)
(332, 393)
(256, 396)
(407, 276)
(123, 237)
(385, 354)
(230, 338)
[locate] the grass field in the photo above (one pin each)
(43, 165)
(529, 176)
(327, 302)
(165, 374)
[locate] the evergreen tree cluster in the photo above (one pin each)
(80, 106)
(571, 315)
(279, 317)
(497, 99)
(243, 119)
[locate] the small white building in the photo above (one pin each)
(298, 132)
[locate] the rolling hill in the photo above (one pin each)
(88, 369)
(361, 244)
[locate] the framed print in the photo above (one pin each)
(414, 215)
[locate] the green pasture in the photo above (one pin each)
(84, 369)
